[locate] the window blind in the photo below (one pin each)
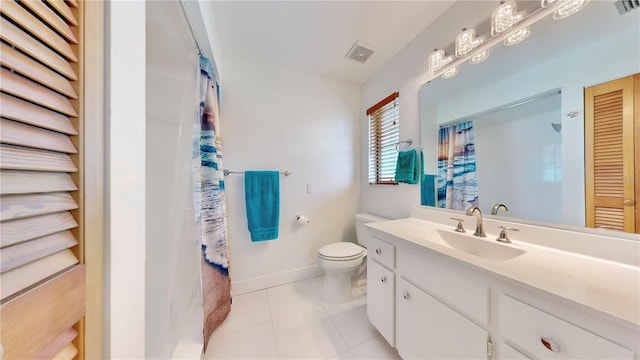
(42, 287)
(384, 134)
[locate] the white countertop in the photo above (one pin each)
(604, 285)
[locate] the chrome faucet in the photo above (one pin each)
(497, 208)
(479, 228)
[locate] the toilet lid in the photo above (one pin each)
(341, 251)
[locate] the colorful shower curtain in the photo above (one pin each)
(210, 205)
(457, 180)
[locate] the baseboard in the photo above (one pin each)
(267, 281)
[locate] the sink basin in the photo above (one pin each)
(477, 246)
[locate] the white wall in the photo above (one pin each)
(405, 73)
(283, 119)
(125, 240)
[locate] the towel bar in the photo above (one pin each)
(227, 172)
(397, 145)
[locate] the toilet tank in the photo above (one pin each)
(361, 231)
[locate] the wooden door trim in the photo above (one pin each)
(636, 141)
(91, 162)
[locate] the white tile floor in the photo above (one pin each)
(291, 322)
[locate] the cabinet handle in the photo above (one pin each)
(628, 202)
(378, 251)
(383, 279)
(550, 344)
(406, 295)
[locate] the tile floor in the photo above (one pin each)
(291, 322)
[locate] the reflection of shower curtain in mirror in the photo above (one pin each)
(457, 180)
(210, 205)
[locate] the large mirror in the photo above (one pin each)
(538, 173)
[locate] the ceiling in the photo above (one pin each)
(315, 36)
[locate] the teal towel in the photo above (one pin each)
(408, 167)
(428, 190)
(262, 198)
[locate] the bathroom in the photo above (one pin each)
(278, 115)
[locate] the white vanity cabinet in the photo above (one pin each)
(381, 288)
(430, 305)
(428, 329)
(547, 336)
(434, 311)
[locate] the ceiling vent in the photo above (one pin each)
(359, 52)
(624, 6)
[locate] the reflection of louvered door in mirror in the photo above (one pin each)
(42, 245)
(612, 131)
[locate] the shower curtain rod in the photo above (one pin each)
(503, 107)
(190, 24)
(227, 172)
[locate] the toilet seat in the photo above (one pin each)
(341, 251)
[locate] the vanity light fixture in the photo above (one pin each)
(451, 72)
(438, 60)
(568, 7)
(504, 17)
(507, 26)
(467, 42)
(518, 36)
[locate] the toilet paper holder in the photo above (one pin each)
(301, 219)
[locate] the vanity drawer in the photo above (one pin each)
(506, 352)
(451, 287)
(382, 252)
(546, 336)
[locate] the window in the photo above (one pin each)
(384, 134)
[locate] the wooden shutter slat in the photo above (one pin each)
(32, 24)
(16, 133)
(16, 231)
(21, 206)
(63, 10)
(73, 3)
(53, 308)
(51, 18)
(25, 276)
(67, 353)
(21, 254)
(19, 158)
(26, 89)
(57, 345)
(29, 113)
(24, 65)
(18, 38)
(23, 182)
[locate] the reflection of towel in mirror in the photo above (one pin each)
(262, 195)
(408, 167)
(428, 190)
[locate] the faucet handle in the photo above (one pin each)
(459, 228)
(504, 237)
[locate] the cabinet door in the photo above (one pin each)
(506, 352)
(380, 299)
(428, 329)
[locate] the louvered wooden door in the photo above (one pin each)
(42, 278)
(612, 131)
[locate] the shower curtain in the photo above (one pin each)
(210, 205)
(457, 180)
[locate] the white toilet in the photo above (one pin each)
(342, 261)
